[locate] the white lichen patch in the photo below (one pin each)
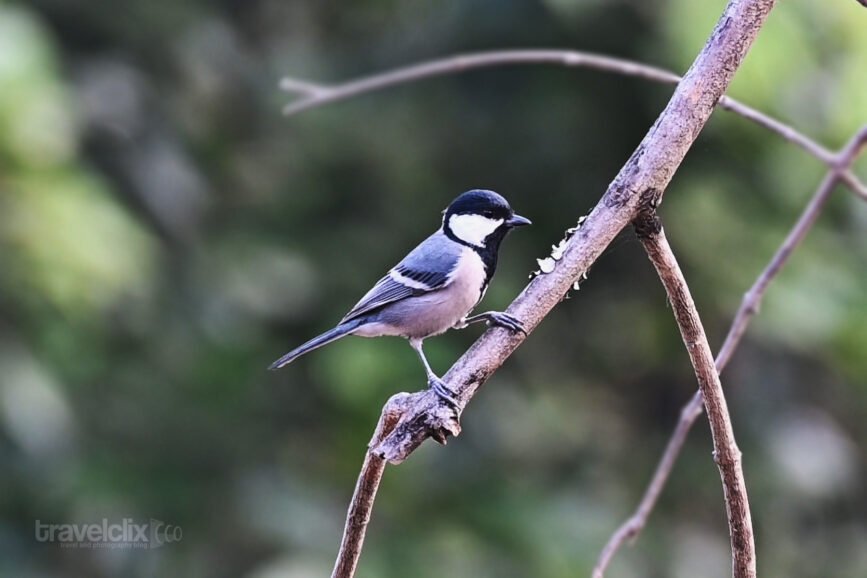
(577, 284)
(547, 264)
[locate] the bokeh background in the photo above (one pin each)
(165, 234)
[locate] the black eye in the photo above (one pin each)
(489, 214)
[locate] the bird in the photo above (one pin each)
(436, 286)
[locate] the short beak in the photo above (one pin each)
(518, 221)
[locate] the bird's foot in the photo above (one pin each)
(510, 322)
(444, 392)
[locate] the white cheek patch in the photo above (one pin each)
(473, 229)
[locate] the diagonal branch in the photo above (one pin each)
(726, 453)
(648, 170)
(752, 299)
(630, 529)
(312, 95)
(645, 175)
(361, 506)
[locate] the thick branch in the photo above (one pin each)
(644, 176)
(314, 95)
(648, 171)
(750, 306)
(361, 506)
(358, 516)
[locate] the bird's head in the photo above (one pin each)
(480, 218)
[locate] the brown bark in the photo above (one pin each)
(643, 179)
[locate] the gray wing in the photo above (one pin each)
(427, 268)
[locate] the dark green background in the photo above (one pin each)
(165, 234)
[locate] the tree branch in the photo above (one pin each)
(311, 91)
(726, 453)
(644, 176)
(314, 95)
(749, 307)
(648, 170)
(752, 299)
(361, 506)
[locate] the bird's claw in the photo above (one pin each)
(444, 392)
(507, 321)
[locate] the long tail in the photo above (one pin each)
(341, 330)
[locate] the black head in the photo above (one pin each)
(480, 219)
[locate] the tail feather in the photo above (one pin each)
(341, 330)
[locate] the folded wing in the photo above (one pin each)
(427, 268)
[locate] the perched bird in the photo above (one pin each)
(436, 286)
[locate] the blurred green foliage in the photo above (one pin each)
(165, 234)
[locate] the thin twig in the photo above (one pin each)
(726, 453)
(310, 90)
(790, 134)
(315, 95)
(466, 62)
(630, 529)
(752, 299)
(749, 307)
